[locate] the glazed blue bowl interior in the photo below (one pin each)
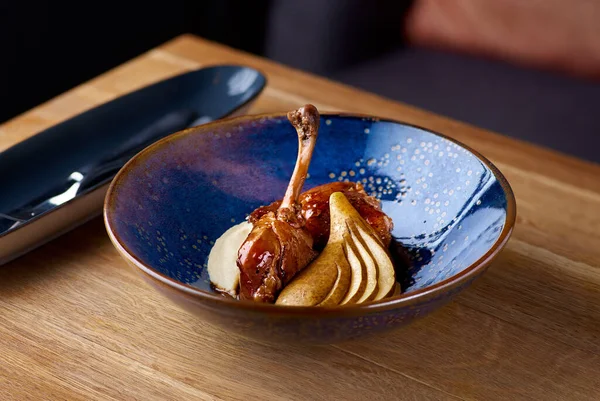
(175, 199)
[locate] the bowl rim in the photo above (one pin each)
(394, 302)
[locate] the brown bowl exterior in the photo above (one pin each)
(274, 323)
(318, 327)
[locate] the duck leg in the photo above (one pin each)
(279, 246)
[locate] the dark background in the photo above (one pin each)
(48, 47)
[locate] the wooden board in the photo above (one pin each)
(76, 323)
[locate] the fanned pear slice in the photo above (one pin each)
(370, 266)
(316, 282)
(386, 275)
(354, 266)
(358, 281)
(342, 284)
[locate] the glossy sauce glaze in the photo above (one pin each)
(315, 210)
(277, 254)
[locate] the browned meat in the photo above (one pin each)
(279, 245)
(315, 210)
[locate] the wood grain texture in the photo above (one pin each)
(76, 323)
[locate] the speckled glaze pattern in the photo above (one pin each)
(451, 209)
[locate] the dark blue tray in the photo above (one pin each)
(57, 179)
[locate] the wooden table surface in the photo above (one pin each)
(76, 323)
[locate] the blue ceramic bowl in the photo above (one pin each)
(452, 210)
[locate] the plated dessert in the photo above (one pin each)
(323, 247)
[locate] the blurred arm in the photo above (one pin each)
(550, 34)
